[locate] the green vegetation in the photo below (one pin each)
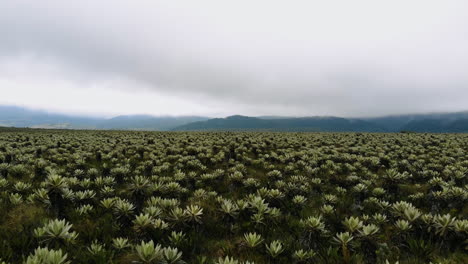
(232, 197)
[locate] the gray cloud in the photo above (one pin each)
(253, 57)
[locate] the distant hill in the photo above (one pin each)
(146, 122)
(283, 124)
(12, 116)
(437, 123)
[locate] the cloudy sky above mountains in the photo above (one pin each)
(344, 58)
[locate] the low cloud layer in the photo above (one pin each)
(346, 58)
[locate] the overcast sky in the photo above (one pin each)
(217, 58)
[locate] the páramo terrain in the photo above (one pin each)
(232, 197)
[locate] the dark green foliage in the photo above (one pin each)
(222, 197)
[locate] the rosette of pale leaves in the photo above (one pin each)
(252, 239)
(47, 256)
(108, 203)
(153, 211)
(16, 198)
(172, 256)
(55, 182)
(353, 224)
(177, 238)
(96, 248)
(85, 209)
(56, 230)
(148, 252)
(443, 224)
(123, 208)
(258, 204)
(231, 260)
(304, 255)
(343, 238)
(314, 224)
(327, 209)
(275, 248)
(40, 195)
(379, 218)
(229, 208)
(403, 225)
(299, 200)
(21, 187)
(193, 213)
(368, 230)
(330, 198)
(461, 226)
(143, 222)
(120, 243)
(392, 175)
(400, 207)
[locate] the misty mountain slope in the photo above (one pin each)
(438, 122)
(283, 124)
(459, 125)
(22, 117)
(142, 122)
(12, 116)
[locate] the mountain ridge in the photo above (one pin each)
(456, 122)
(317, 124)
(436, 123)
(13, 116)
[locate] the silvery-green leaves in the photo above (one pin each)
(275, 248)
(56, 230)
(47, 256)
(252, 239)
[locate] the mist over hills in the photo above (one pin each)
(12, 116)
(283, 124)
(437, 123)
(456, 122)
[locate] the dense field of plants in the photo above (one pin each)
(144, 197)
